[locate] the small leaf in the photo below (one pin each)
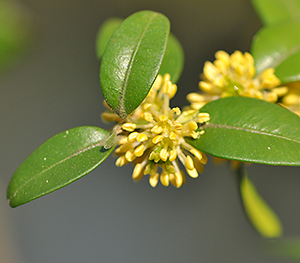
(104, 34)
(260, 214)
(250, 130)
(274, 12)
(278, 47)
(288, 247)
(173, 60)
(61, 160)
(132, 59)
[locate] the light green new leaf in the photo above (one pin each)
(173, 60)
(61, 160)
(288, 248)
(278, 47)
(132, 59)
(250, 130)
(273, 12)
(260, 214)
(104, 34)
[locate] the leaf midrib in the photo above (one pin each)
(228, 127)
(121, 108)
(83, 150)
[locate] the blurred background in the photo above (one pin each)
(105, 216)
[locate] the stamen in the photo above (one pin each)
(164, 154)
(137, 170)
(148, 116)
(164, 179)
(157, 139)
(189, 163)
(157, 129)
(132, 136)
(142, 137)
(153, 179)
(172, 155)
(139, 151)
(129, 126)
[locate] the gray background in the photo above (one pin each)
(105, 217)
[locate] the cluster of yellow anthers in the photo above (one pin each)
(292, 99)
(153, 138)
(234, 75)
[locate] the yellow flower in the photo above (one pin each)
(234, 75)
(292, 99)
(153, 138)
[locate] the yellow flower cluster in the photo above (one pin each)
(153, 138)
(234, 75)
(292, 99)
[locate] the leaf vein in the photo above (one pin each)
(121, 109)
(225, 126)
(89, 147)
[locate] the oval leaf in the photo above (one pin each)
(132, 59)
(173, 60)
(250, 130)
(278, 47)
(61, 160)
(104, 34)
(273, 12)
(260, 214)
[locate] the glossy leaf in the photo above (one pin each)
(273, 12)
(259, 213)
(250, 130)
(132, 59)
(16, 31)
(278, 47)
(104, 34)
(61, 160)
(173, 60)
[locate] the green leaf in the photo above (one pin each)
(61, 160)
(250, 130)
(104, 34)
(278, 47)
(260, 214)
(16, 31)
(132, 59)
(173, 60)
(288, 247)
(274, 12)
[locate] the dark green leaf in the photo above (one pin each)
(274, 12)
(278, 47)
(259, 213)
(61, 160)
(132, 59)
(104, 34)
(173, 60)
(250, 130)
